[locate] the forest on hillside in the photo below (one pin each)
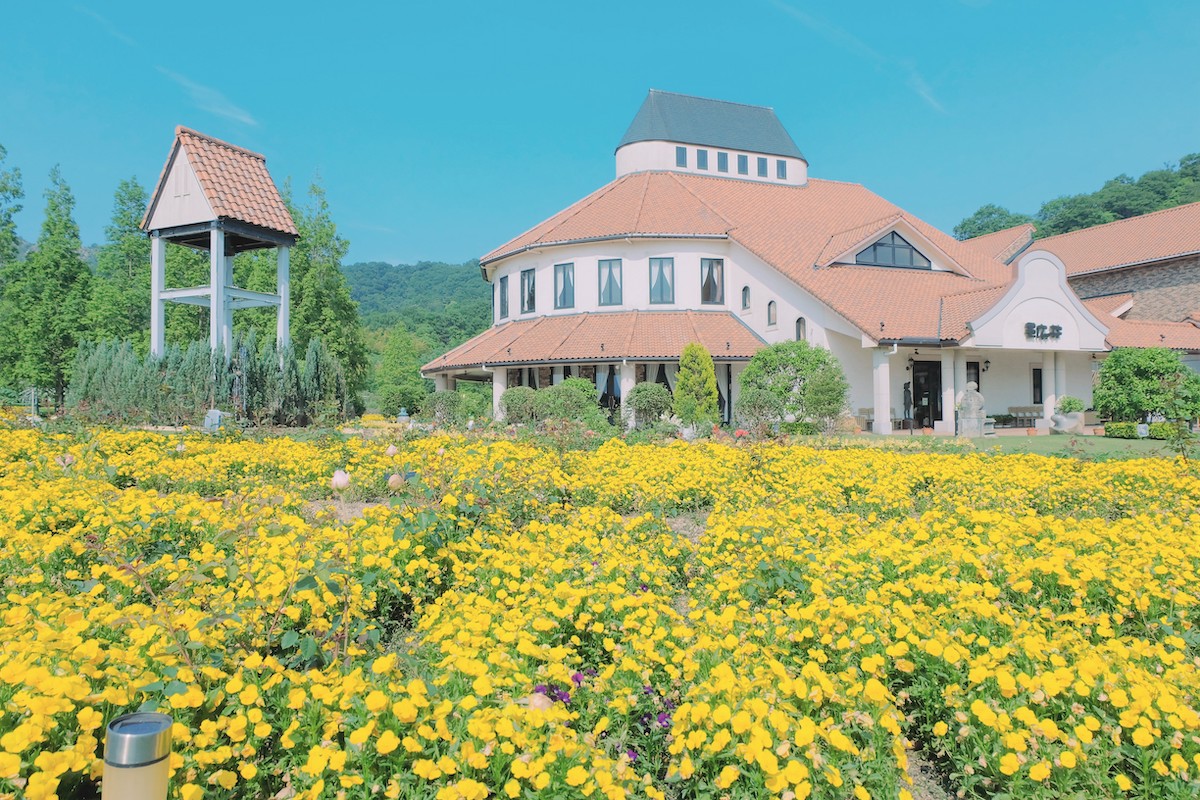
(1119, 198)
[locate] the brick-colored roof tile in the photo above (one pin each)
(1157, 236)
(1004, 244)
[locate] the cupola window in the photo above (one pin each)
(893, 251)
(712, 281)
(610, 282)
(662, 280)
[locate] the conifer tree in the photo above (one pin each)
(120, 304)
(11, 194)
(696, 386)
(52, 292)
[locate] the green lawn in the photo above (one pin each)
(1078, 446)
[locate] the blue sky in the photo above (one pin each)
(442, 129)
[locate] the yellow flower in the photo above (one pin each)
(1040, 771)
(386, 743)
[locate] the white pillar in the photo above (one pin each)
(946, 425)
(628, 380)
(227, 317)
(216, 288)
(960, 374)
(283, 285)
(556, 375)
(158, 271)
(440, 382)
(1060, 374)
(881, 374)
(1049, 387)
(499, 385)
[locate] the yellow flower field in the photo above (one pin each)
(676, 621)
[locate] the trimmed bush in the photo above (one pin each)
(517, 404)
(648, 401)
(1068, 404)
(444, 407)
(573, 400)
(808, 381)
(758, 408)
(696, 387)
(1121, 430)
(1165, 430)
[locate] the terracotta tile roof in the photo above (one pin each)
(235, 182)
(789, 227)
(1003, 245)
(1107, 305)
(606, 336)
(1152, 333)
(1160, 235)
(960, 309)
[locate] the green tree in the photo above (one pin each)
(988, 219)
(1137, 382)
(696, 386)
(52, 293)
(11, 194)
(398, 381)
(120, 302)
(806, 381)
(1070, 213)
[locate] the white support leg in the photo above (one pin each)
(1049, 387)
(628, 380)
(946, 424)
(441, 383)
(227, 317)
(158, 269)
(283, 285)
(499, 385)
(1060, 375)
(881, 374)
(216, 280)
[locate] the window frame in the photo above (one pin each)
(722, 161)
(801, 329)
(973, 367)
(559, 270)
(701, 159)
(529, 290)
(600, 269)
(781, 169)
(720, 265)
(502, 290)
(893, 246)
(669, 262)
(745, 298)
(743, 164)
(681, 156)
(1037, 384)
(762, 166)
(772, 314)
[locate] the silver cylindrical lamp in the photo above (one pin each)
(137, 750)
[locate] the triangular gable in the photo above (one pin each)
(178, 198)
(844, 247)
(1039, 312)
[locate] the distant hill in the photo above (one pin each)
(443, 304)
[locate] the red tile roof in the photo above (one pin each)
(235, 182)
(1157, 236)
(790, 227)
(1142, 333)
(1104, 307)
(607, 336)
(1004, 244)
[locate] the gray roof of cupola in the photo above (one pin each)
(670, 117)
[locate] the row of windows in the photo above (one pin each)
(610, 284)
(773, 315)
(743, 163)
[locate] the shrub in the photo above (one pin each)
(1067, 404)
(807, 381)
(444, 407)
(1121, 430)
(1135, 383)
(800, 428)
(648, 401)
(696, 387)
(574, 399)
(758, 408)
(517, 404)
(1163, 431)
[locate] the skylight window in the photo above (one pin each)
(893, 251)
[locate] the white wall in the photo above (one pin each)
(182, 201)
(659, 155)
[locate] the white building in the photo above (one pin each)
(713, 231)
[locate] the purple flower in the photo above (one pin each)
(577, 679)
(664, 720)
(633, 756)
(644, 587)
(541, 688)
(647, 690)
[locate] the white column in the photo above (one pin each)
(216, 281)
(881, 374)
(499, 384)
(1049, 387)
(440, 382)
(283, 285)
(960, 374)
(451, 383)
(946, 425)
(227, 317)
(1060, 374)
(158, 271)
(628, 380)
(556, 375)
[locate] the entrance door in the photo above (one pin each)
(927, 393)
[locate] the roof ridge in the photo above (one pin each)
(182, 129)
(637, 218)
(1116, 222)
(625, 347)
(675, 177)
(582, 316)
(1009, 229)
(710, 99)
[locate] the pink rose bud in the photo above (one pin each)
(395, 481)
(391, 451)
(341, 481)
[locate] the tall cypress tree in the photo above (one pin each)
(52, 292)
(120, 303)
(11, 195)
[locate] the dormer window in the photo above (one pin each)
(701, 159)
(681, 157)
(893, 251)
(722, 162)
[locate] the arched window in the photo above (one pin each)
(771, 313)
(801, 329)
(745, 298)
(893, 251)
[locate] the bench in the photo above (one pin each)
(1026, 416)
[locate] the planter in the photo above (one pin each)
(1031, 431)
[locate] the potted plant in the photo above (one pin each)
(1068, 417)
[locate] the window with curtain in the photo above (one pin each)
(801, 329)
(503, 291)
(662, 280)
(772, 313)
(610, 282)
(712, 280)
(564, 285)
(893, 251)
(528, 296)
(745, 298)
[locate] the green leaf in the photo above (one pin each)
(289, 639)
